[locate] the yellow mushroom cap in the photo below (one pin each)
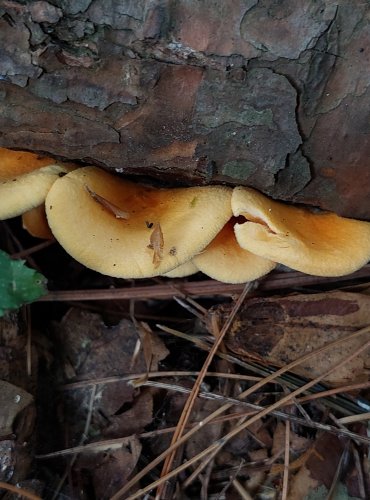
(182, 271)
(164, 228)
(322, 244)
(224, 259)
(21, 193)
(35, 222)
(25, 178)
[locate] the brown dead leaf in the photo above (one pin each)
(317, 469)
(302, 484)
(157, 244)
(278, 330)
(13, 400)
(94, 351)
(259, 430)
(208, 434)
(132, 420)
(110, 470)
(13, 353)
(145, 333)
(113, 209)
(257, 478)
(323, 463)
(17, 411)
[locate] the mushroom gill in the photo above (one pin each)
(321, 244)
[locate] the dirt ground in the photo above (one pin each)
(259, 391)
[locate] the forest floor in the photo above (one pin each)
(184, 389)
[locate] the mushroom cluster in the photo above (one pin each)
(129, 230)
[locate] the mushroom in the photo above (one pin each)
(224, 260)
(321, 244)
(182, 271)
(160, 228)
(34, 221)
(25, 178)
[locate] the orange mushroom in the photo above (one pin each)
(25, 179)
(321, 244)
(224, 259)
(34, 221)
(129, 230)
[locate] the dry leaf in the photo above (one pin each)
(145, 333)
(110, 470)
(96, 351)
(113, 209)
(257, 478)
(13, 400)
(156, 244)
(315, 477)
(278, 330)
(302, 484)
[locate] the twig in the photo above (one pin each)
(183, 303)
(337, 474)
(284, 494)
(205, 463)
(36, 248)
(28, 322)
(274, 281)
(18, 245)
(360, 475)
(186, 412)
(82, 440)
(255, 408)
(302, 410)
(19, 491)
(114, 444)
(205, 480)
(221, 442)
(354, 418)
(231, 478)
(96, 447)
(331, 392)
(224, 408)
(244, 495)
(165, 374)
(291, 382)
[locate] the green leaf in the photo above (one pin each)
(18, 284)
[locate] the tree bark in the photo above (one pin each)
(273, 95)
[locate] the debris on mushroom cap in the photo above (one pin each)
(186, 269)
(34, 221)
(224, 260)
(117, 212)
(321, 244)
(189, 218)
(156, 244)
(20, 193)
